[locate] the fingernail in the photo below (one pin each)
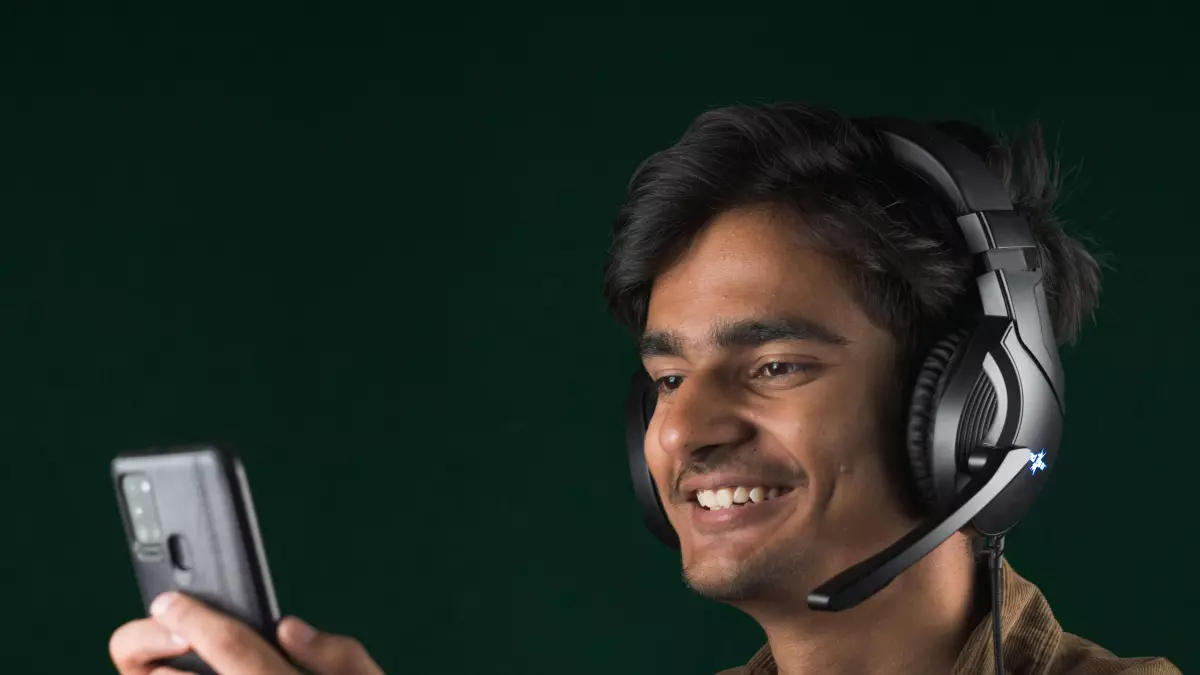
(302, 632)
(178, 639)
(161, 603)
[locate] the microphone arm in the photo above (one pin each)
(871, 575)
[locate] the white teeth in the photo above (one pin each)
(727, 497)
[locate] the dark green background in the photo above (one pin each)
(365, 247)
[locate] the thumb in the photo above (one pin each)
(324, 653)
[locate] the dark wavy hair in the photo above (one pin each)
(908, 266)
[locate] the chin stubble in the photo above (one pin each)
(765, 574)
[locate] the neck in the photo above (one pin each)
(918, 624)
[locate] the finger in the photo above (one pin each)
(163, 670)
(228, 646)
(135, 646)
(324, 653)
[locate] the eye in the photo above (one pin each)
(781, 368)
(668, 383)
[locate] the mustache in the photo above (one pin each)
(766, 473)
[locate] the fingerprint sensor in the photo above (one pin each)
(181, 552)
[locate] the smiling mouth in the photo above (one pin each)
(737, 496)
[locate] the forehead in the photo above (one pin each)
(751, 264)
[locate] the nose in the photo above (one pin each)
(700, 416)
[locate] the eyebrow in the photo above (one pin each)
(745, 333)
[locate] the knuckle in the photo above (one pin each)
(227, 639)
(121, 644)
(181, 611)
(348, 650)
(115, 648)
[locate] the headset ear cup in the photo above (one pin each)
(639, 408)
(930, 382)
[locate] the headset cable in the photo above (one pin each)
(995, 550)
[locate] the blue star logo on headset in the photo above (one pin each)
(1035, 460)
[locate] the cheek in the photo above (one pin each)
(836, 429)
(656, 458)
(855, 445)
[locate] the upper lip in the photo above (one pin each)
(689, 487)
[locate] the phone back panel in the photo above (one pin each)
(190, 524)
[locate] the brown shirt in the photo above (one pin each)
(1034, 644)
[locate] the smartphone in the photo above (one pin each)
(191, 527)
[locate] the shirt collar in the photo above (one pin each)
(1030, 633)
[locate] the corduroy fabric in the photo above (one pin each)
(1034, 644)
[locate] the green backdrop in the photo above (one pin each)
(365, 247)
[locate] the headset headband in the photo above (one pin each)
(996, 233)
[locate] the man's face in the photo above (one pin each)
(775, 391)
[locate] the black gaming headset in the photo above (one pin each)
(986, 411)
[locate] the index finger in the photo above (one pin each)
(228, 646)
(137, 646)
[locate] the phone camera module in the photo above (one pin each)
(143, 515)
(135, 485)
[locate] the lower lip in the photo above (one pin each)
(718, 521)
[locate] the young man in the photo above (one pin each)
(782, 279)
(785, 278)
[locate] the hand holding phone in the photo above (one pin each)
(229, 647)
(198, 557)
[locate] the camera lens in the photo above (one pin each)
(135, 484)
(143, 517)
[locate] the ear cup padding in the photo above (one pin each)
(930, 382)
(639, 408)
